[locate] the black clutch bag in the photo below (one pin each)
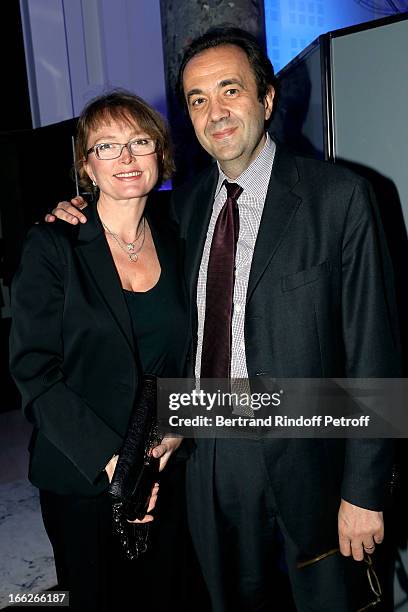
(136, 472)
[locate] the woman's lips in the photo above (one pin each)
(128, 176)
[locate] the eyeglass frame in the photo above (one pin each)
(374, 583)
(372, 577)
(95, 149)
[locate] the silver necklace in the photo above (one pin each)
(129, 247)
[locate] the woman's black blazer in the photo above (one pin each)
(72, 350)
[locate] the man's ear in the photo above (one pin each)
(268, 102)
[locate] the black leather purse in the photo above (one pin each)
(136, 472)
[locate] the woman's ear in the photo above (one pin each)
(87, 168)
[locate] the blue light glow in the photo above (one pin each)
(292, 24)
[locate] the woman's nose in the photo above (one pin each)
(126, 156)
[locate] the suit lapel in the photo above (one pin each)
(96, 258)
(280, 207)
(201, 199)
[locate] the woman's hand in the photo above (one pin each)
(111, 466)
(165, 449)
(110, 470)
(148, 518)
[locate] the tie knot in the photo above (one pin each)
(233, 190)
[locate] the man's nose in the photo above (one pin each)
(218, 110)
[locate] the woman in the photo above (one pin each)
(94, 307)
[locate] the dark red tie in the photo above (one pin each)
(216, 353)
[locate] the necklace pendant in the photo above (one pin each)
(133, 256)
(130, 246)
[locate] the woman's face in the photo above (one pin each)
(128, 176)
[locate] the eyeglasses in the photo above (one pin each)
(112, 150)
(373, 581)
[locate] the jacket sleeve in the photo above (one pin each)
(370, 333)
(37, 360)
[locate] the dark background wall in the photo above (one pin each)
(15, 113)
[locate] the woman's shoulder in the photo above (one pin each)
(50, 232)
(46, 239)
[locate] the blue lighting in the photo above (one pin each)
(292, 24)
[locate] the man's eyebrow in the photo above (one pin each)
(226, 82)
(220, 85)
(194, 92)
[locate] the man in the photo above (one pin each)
(309, 300)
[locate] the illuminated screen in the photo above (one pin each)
(292, 24)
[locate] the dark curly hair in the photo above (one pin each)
(228, 35)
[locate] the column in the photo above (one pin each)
(182, 21)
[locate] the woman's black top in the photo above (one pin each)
(72, 352)
(159, 318)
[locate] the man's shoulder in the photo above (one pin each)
(331, 189)
(313, 169)
(196, 183)
(196, 191)
(158, 211)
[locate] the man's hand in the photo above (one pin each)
(69, 211)
(165, 449)
(359, 530)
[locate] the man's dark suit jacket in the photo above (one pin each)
(319, 304)
(72, 349)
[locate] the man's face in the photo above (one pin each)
(222, 99)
